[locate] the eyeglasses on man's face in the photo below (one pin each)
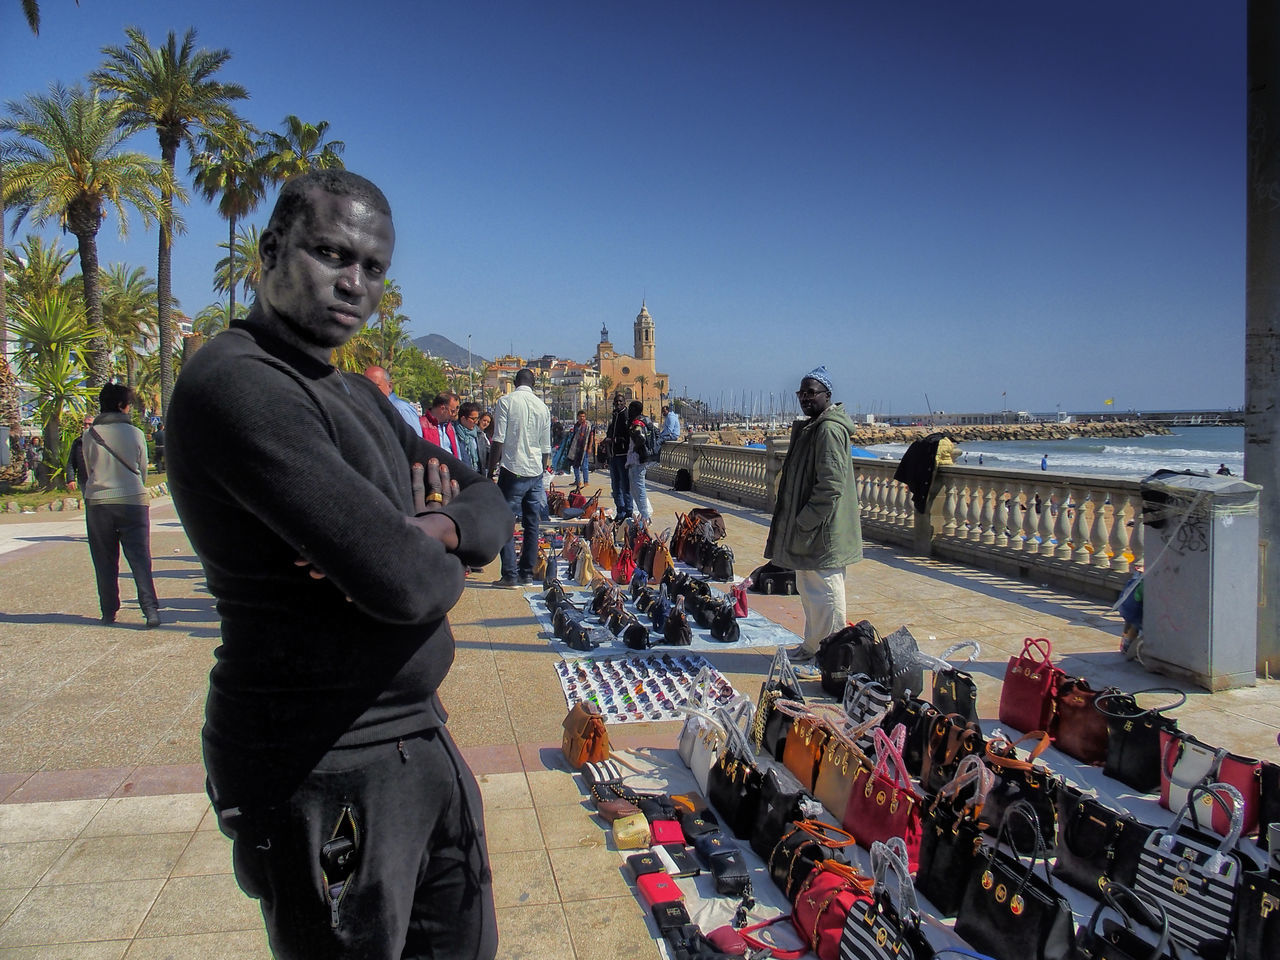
(807, 394)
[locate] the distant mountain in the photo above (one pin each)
(437, 346)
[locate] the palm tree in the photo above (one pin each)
(300, 148)
(65, 162)
(128, 312)
(37, 268)
(52, 343)
(210, 321)
(169, 89)
(641, 380)
(242, 266)
(232, 168)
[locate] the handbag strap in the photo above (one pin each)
(825, 833)
(1104, 699)
(1011, 761)
(93, 432)
(857, 690)
(747, 933)
(970, 770)
(1023, 809)
(782, 672)
(892, 855)
(955, 648)
(1236, 812)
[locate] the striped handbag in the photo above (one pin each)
(864, 699)
(1194, 877)
(879, 929)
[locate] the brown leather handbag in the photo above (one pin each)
(1079, 729)
(586, 740)
(803, 751)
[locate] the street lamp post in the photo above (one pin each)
(471, 383)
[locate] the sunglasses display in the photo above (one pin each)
(637, 689)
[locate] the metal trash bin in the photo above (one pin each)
(1200, 606)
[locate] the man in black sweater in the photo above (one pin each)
(355, 819)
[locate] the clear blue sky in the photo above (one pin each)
(958, 199)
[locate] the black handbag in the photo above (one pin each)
(675, 628)
(770, 726)
(1258, 915)
(951, 738)
(804, 845)
(1096, 845)
(907, 674)
(952, 836)
(879, 929)
(724, 623)
(1133, 736)
(954, 690)
(729, 873)
(734, 785)
(1268, 800)
(1107, 939)
(1024, 781)
(917, 717)
(782, 799)
(1008, 910)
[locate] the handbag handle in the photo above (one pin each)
(778, 953)
(970, 770)
(1023, 809)
(1012, 762)
(856, 691)
(781, 671)
(1149, 914)
(1236, 812)
(1119, 695)
(955, 648)
(887, 753)
(822, 832)
(1032, 646)
(892, 855)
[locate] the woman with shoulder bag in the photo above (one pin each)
(117, 504)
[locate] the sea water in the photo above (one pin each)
(1200, 449)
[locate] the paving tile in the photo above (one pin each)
(94, 950)
(23, 864)
(70, 784)
(492, 759)
(591, 872)
(159, 779)
(610, 928)
(553, 788)
(98, 859)
(570, 826)
(230, 945)
(70, 913)
(49, 820)
(512, 828)
(180, 813)
(9, 900)
(208, 852)
(504, 790)
(9, 782)
(536, 932)
(210, 904)
(522, 877)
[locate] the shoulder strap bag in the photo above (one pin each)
(1029, 781)
(1133, 735)
(93, 432)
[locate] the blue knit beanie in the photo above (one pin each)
(820, 374)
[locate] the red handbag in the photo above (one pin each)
(823, 904)
(883, 803)
(1186, 762)
(624, 566)
(1030, 689)
(739, 591)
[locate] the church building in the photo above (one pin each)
(634, 375)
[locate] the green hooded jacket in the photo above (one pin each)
(816, 524)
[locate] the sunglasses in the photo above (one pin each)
(806, 394)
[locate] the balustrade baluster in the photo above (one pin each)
(974, 512)
(949, 508)
(1101, 525)
(999, 516)
(1080, 529)
(1137, 533)
(1117, 538)
(1061, 529)
(987, 518)
(904, 510)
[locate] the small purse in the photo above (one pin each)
(631, 833)
(954, 690)
(1133, 736)
(658, 887)
(729, 873)
(1030, 686)
(666, 831)
(1008, 910)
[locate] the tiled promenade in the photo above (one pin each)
(107, 846)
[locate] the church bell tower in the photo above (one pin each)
(644, 334)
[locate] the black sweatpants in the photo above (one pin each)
(113, 527)
(379, 855)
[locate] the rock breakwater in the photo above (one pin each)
(868, 435)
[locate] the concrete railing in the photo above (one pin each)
(1080, 532)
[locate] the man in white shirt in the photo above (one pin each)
(520, 454)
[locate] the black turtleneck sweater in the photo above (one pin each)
(274, 456)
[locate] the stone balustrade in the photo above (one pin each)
(1079, 532)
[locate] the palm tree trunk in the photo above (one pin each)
(99, 349)
(164, 276)
(231, 269)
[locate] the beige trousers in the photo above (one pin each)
(822, 598)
